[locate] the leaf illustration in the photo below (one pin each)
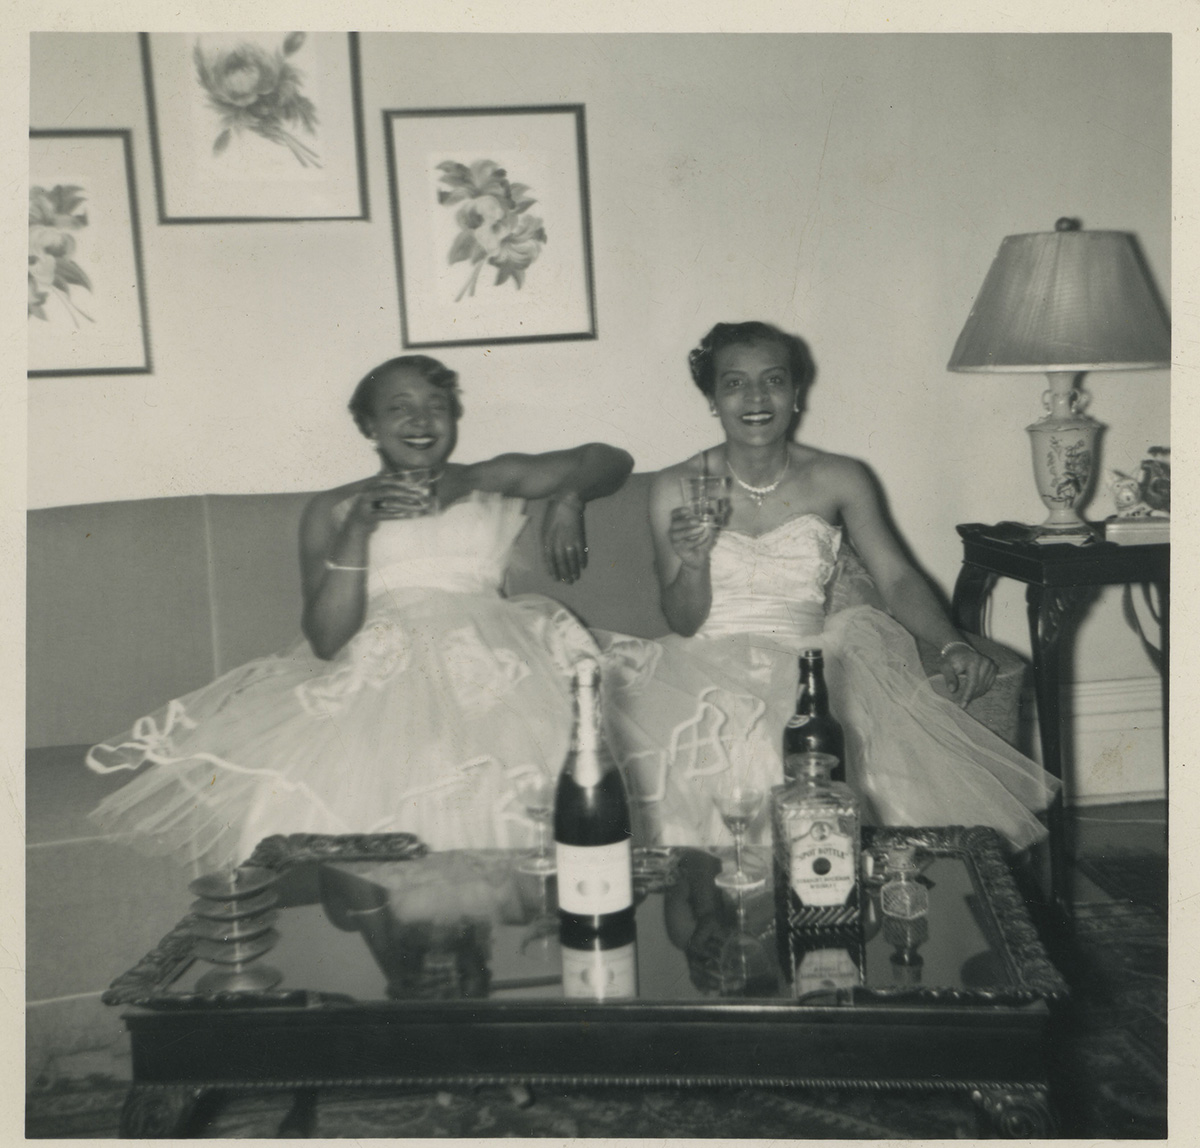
(293, 43)
(70, 272)
(463, 247)
(221, 142)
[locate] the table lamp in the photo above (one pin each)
(1064, 302)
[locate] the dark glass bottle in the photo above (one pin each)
(812, 728)
(592, 834)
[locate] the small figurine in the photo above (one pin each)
(1149, 494)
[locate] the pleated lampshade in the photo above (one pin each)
(1065, 300)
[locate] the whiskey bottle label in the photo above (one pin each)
(826, 970)
(821, 854)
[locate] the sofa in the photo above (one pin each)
(132, 603)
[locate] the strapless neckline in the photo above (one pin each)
(821, 519)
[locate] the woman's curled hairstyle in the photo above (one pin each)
(701, 359)
(433, 371)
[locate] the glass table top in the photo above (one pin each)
(471, 925)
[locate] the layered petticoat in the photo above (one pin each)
(421, 723)
(684, 715)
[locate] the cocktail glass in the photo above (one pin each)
(707, 497)
(535, 791)
(738, 806)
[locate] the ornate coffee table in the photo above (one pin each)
(404, 967)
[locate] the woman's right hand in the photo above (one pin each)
(692, 537)
(385, 497)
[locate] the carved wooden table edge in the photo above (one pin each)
(1014, 1108)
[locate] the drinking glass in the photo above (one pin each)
(424, 480)
(535, 791)
(707, 497)
(738, 806)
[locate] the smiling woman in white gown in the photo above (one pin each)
(711, 700)
(419, 694)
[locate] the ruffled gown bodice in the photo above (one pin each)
(464, 550)
(772, 584)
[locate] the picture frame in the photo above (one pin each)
(255, 127)
(87, 298)
(491, 222)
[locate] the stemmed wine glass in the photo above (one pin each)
(739, 805)
(535, 791)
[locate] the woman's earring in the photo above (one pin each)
(712, 411)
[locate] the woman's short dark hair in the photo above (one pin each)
(437, 374)
(702, 359)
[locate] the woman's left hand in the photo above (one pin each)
(564, 544)
(968, 673)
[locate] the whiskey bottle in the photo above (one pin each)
(816, 824)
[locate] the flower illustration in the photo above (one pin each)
(258, 91)
(494, 226)
(53, 216)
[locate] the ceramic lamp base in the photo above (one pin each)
(1064, 461)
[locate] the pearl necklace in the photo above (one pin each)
(759, 493)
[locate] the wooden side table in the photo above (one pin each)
(1060, 580)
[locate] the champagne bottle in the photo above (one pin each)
(591, 827)
(813, 729)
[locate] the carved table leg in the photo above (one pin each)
(158, 1112)
(971, 590)
(1020, 1115)
(1052, 612)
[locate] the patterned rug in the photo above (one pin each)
(1113, 1082)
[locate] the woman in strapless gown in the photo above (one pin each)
(710, 702)
(419, 695)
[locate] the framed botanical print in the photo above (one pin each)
(255, 126)
(491, 224)
(87, 300)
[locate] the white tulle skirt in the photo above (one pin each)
(421, 723)
(685, 714)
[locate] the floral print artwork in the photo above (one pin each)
(495, 226)
(54, 216)
(254, 90)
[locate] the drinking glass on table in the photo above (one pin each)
(535, 791)
(707, 497)
(739, 805)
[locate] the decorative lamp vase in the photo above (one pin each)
(1064, 454)
(1065, 302)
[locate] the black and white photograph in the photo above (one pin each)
(659, 630)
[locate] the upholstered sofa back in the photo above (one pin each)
(133, 603)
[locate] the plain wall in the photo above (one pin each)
(852, 188)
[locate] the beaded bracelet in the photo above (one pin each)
(951, 645)
(334, 566)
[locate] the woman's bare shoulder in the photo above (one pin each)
(825, 466)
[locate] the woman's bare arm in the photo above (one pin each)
(907, 595)
(569, 479)
(682, 545)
